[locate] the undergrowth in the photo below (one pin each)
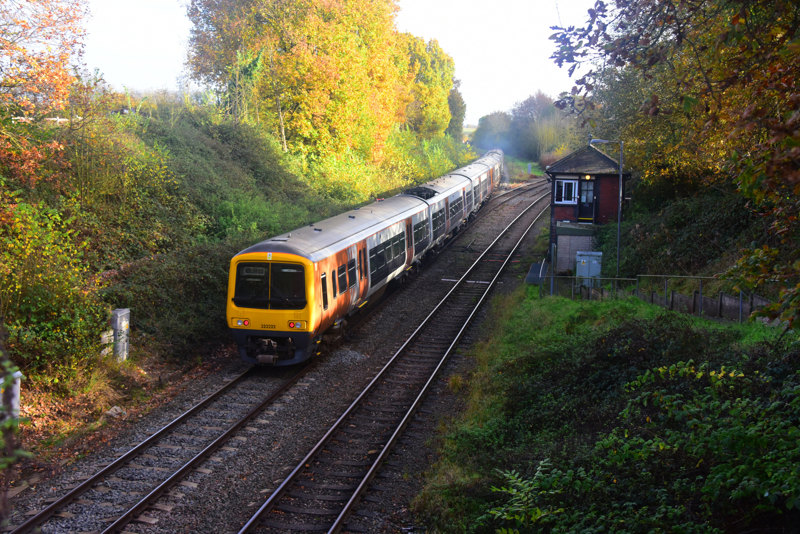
(616, 416)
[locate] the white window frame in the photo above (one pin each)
(560, 185)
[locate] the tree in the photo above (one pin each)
(493, 131)
(432, 70)
(527, 119)
(327, 72)
(724, 76)
(458, 110)
(39, 39)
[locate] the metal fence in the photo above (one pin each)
(656, 289)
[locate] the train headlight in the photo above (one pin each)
(241, 322)
(296, 325)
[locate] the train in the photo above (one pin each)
(285, 292)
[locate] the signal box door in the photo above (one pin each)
(586, 201)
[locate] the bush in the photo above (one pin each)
(177, 299)
(47, 297)
(687, 235)
(601, 417)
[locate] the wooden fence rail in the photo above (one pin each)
(722, 305)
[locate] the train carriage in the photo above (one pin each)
(286, 291)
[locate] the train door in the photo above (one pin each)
(352, 276)
(409, 242)
(362, 269)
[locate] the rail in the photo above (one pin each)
(409, 354)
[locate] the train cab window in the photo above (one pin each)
(274, 286)
(351, 272)
(287, 288)
(333, 282)
(362, 264)
(252, 285)
(342, 278)
(324, 282)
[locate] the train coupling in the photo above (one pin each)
(268, 353)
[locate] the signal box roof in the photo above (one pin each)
(587, 160)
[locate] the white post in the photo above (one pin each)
(120, 323)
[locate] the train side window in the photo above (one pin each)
(324, 279)
(342, 278)
(395, 246)
(351, 272)
(333, 282)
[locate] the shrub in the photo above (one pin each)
(53, 317)
(601, 417)
(177, 299)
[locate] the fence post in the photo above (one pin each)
(666, 283)
(637, 287)
(554, 264)
(701, 297)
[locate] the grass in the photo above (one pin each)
(518, 169)
(558, 433)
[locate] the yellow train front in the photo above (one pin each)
(286, 291)
(270, 308)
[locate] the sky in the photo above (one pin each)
(500, 48)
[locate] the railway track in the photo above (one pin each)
(126, 488)
(323, 488)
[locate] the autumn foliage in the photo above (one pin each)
(327, 77)
(704, 93)
(306, 116)
(38, 40)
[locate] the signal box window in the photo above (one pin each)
(566, 192)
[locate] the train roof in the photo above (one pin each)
(437, 189)
(479, 166)
(473, 170)
(320, 239)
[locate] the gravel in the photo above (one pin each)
(225, 492)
